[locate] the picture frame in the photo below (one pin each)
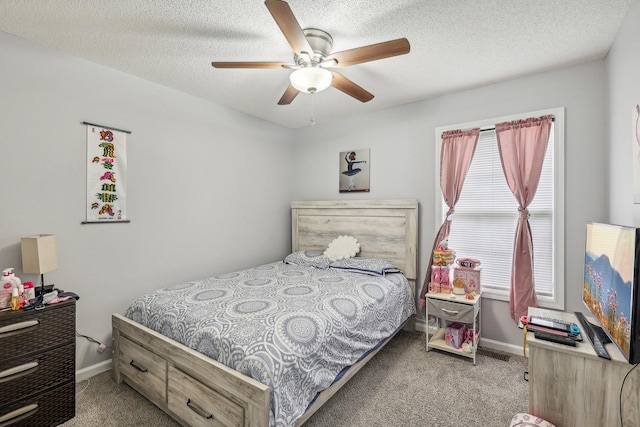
(354, 171)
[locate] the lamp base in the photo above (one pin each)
(44, 289)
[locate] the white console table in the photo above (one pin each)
(572, 386)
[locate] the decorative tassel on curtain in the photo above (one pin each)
(458, 147)
(522, 145)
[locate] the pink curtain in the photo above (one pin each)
(522, 145)
(456, 153)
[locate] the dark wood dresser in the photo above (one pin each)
(37, 365)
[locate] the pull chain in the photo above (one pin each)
(313, 121)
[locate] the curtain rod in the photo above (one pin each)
(553, 119)
(487, 129)
(106, 127)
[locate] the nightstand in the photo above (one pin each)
(449, 308)
(37, 365)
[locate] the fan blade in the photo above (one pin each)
(288, 96)
(278, 65)
(289, 26)
(371, 52)
(342, 83)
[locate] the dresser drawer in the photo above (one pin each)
(144, 370)
(47, 409)
(25, 375)
(200, 405)
(31, 331)
(454, 311)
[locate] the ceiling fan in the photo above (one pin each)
(312, 57)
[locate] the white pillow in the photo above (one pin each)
(342, 248)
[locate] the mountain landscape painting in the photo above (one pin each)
(608, 296)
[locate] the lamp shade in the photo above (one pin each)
(311, 79)
(39, 254)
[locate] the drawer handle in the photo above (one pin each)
(7, 331)
(137, 367)
(18, 371)
(18, 415)
(198, 411)
(450, 311)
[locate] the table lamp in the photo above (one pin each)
(39, 255)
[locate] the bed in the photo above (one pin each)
(196, 389)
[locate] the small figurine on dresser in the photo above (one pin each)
(443, 258)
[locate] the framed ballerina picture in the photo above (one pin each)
(354, 171)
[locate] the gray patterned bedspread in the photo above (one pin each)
(292, 328)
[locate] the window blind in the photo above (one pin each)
(485, 219)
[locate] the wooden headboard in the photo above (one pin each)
(385, 229)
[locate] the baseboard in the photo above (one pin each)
(93, 370)
(484, 342)
(501, 346)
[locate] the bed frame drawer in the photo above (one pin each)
(144, 370)
(450, 310)
(200, 405)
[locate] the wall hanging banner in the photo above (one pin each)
(106, 174)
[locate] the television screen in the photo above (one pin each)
(610, 282)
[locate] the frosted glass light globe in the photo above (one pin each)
(311, 79)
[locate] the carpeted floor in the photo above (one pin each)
(402, 386)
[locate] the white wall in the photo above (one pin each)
(194, 165)
(623, 79)
(208, 188)
(401, 140)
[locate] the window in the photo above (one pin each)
(485, 217)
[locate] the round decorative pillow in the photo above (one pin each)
(342, 247)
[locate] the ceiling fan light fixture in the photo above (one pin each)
(311, 79)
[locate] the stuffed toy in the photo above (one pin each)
(467, 345)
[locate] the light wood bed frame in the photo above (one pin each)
(386, 229)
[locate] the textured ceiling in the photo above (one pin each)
(455, 45)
